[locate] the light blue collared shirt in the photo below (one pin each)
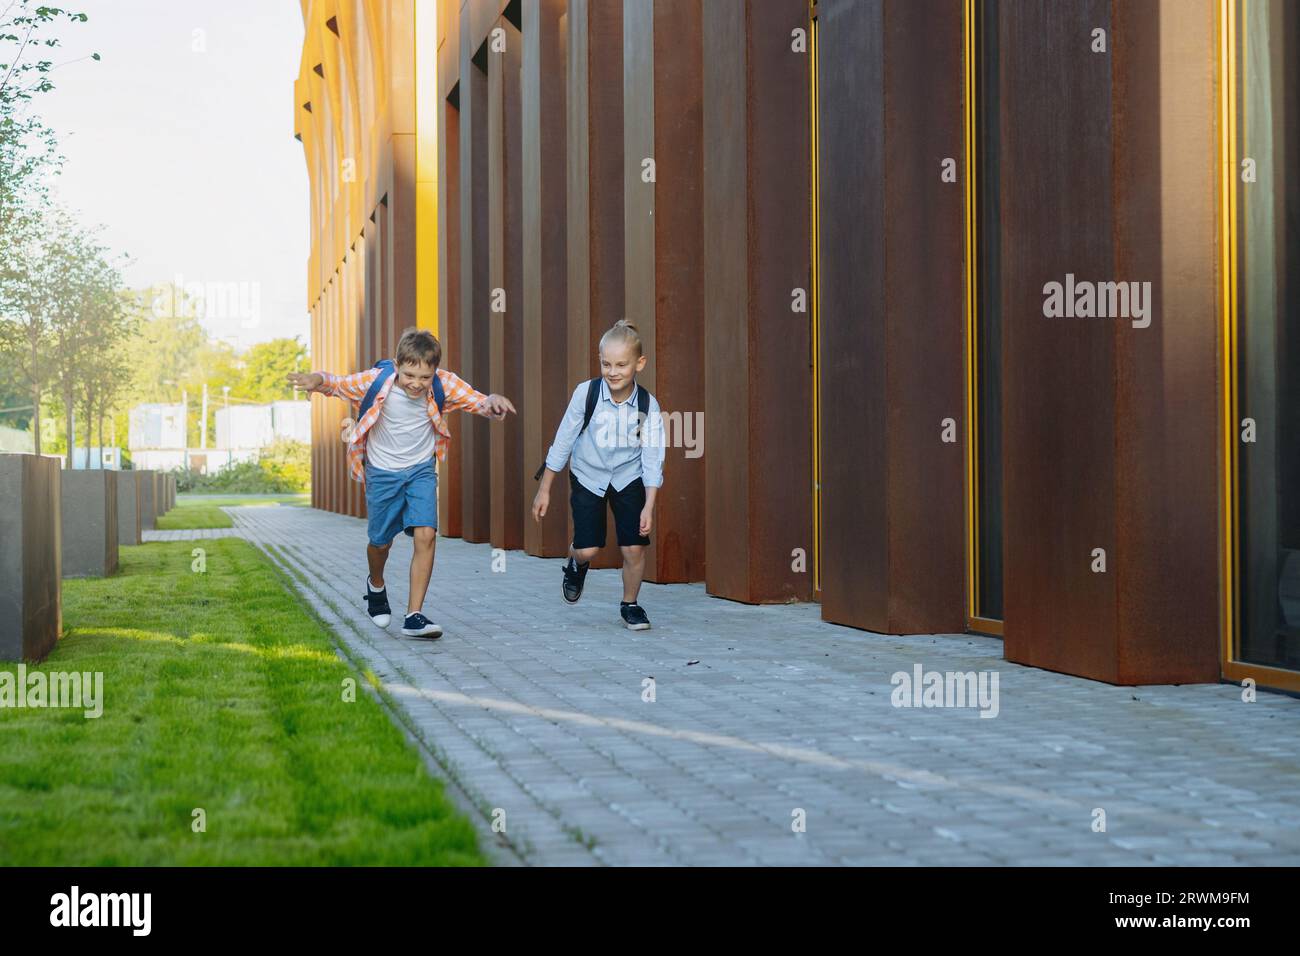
(614, 450)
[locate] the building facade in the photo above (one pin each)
(371, 167)
(989, 308)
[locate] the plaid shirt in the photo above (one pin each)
(460, 395)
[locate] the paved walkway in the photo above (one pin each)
(189, 534)
(763, 717)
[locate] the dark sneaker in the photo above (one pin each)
(417, 625)
(634, 617)
(377, 605)
(575, 575)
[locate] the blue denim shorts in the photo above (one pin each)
(400, 501)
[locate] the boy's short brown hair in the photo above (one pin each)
(419, 346)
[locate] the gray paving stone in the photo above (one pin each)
(536, 706)
(188, 534)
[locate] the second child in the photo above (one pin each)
(610, 438)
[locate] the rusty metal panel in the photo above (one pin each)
(471, 430)
(756, 254)
(478, 18)
(1167, 535)
(924, 316)
(727, 120)
(1059, 415)
(450, 502)
(545, 332)
(594, 207)
(505, 252)
(852, 340)
(335, 409)
(1109, 175)
(448, 57)
(664, 243)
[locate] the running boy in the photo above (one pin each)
(610, 438)
(391, 449)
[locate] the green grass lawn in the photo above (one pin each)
(201, 511)
(221, 691)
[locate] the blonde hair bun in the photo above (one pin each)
(625, 332)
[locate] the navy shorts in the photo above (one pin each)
(400, 501)
(589, 514)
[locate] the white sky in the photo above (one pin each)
(187, 155)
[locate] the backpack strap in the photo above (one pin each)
(643, 417)
(593, 396)
(439, 395)
(386, 371)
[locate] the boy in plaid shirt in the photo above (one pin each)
(391, 449)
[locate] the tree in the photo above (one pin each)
(26, 307)
(82, 303)
(26, 145)
(14, 399)
(172, 352)
(26, 149)
(266, 365)
(103, 379)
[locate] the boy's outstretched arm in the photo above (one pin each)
(495, 407)
(352, 387)
(307, 381)
(463, 396)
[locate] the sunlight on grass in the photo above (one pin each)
(222, 693)
(194, 512)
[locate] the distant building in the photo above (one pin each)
(156, 439)
(15, 439)
(292, 420)
(255, 426)
(20, 441)
(107, 458)
(157, 425)
(245, 426)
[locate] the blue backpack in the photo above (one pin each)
(386, 371)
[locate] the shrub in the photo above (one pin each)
(288, 462)
(284, 467)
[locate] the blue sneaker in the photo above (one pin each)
(417, 625)
(575, 575)
(634, 618)
(377, 605)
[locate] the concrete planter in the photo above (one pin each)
(90, 534)
(148, 481)
(31, 605)
(128, 508)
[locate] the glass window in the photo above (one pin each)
(988, 318)
(1268, 331)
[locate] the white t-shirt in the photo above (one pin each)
(402, 435)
